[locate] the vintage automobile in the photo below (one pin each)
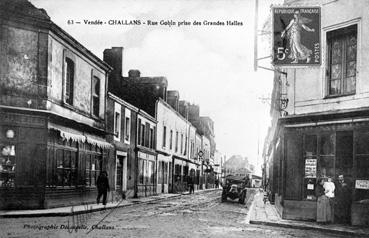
(235, 187)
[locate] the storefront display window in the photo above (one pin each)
(8, 158)
(310, 168)
(326, 156)
(362, 168)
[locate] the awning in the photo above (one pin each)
(97, 141)
(74, 135)
(68, 133)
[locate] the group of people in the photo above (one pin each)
(333, 200)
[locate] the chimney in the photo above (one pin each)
(173, 99)
(193, 112)
(114, 57)
(183, 109)
(134, 73)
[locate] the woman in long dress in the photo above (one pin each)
(294, 28)
(323, 211)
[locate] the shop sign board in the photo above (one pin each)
(296, 36)
(310, 168)
(362, 184)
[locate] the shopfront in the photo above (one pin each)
(320, 150)
(146, 174)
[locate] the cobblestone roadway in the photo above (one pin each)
(199, 215)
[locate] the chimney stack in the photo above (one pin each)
(173, 99)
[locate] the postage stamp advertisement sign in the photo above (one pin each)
(296, 36)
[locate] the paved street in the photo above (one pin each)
(199, 215)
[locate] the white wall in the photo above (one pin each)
(307, 87)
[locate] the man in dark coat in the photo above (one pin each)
(190, 184)
(343, 201)
(102, 187)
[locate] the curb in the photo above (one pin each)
(303, 227)
(63, 214)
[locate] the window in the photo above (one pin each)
(93, 165)
(127, 129)
(171, 140)
(152, 138)
(185, 148)
(127, 126)
(181, 143)
(95, 96)
(7, 163)
(117, 121)
(176, 148)
(69, 81)
(142, 135)
(341, 68)
(66, 170)
(164, 136)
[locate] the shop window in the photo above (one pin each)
(344, 154)
(165, 168)
(93, 169)
(95, 96)
(362, 167)
(341, 68)
(326, 156)
(69, 81)
(177, 172)
(8, 160)
(310, 168)
(66, 168)
(141, 168)
(119, 173)
(160, 172)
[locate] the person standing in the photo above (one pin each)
(323, 211)
(329, 192)
(190, 185)
(343, 201)
(102, 187)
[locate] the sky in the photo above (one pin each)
(212, 66)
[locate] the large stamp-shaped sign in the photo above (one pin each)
(296, 36)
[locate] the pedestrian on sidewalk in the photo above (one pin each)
(343, 201)
(329, 188)
(190, 185)
(102, 186)
(323, 207)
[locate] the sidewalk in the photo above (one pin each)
(80, 209)
(266, 214)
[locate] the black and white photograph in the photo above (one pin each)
(184, 118)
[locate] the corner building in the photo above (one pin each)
(52, 112)
(324, 130)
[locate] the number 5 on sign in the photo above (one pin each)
(281, 53)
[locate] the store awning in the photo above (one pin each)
(97, 141)
(68, 133)
(74, 135)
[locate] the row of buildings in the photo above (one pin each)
(66, 115)
(320, 117)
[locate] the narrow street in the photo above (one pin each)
(199, 215)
